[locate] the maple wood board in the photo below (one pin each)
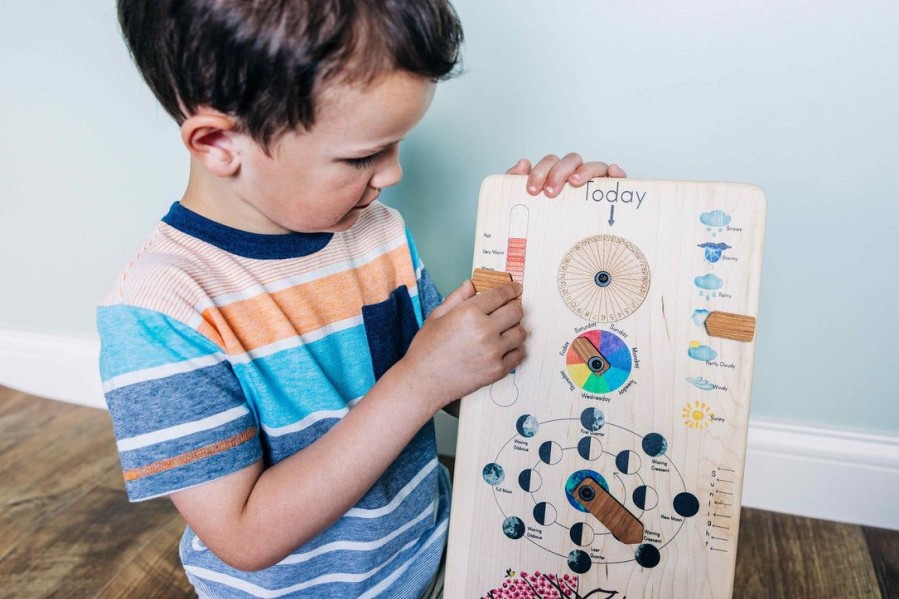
(622, 387)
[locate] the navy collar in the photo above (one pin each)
(243, 243)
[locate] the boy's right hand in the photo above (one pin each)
(469, 341)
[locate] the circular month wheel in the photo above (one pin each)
(604, 278)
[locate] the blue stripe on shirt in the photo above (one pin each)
(137, 339)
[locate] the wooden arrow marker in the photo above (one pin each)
(623, 525)
(483, 279)
(730, 326)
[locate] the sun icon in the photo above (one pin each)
(697, 415)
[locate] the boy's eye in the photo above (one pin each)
(364, 162)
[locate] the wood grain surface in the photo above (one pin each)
(622, 383)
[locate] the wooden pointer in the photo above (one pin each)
(623, 525)
(484, 279)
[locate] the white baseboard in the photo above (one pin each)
(823, 473)
(809, 471)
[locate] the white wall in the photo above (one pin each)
(87, 161)
(797, 97)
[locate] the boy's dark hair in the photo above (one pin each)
(264, 61)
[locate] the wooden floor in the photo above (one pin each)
(66, 529)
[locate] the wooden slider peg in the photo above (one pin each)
(730, 326)
(590, 355)
(484, 279)
(623, 525)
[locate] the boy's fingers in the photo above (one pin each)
(522, 167)
(506, 316)
(513, 338)
(591, 170)
(492, 299)
(537, 178)
(462, 293)
(513, 359)
(560, 172)
(616, 171)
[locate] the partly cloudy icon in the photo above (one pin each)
(713, 250)
(701, 352)
(699, 317)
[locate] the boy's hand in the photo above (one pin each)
(550, 174)
(468, 342)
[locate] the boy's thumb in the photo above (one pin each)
(464, 292)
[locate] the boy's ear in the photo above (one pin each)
(209, 137)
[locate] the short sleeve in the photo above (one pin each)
(428, 295)
(179, 413)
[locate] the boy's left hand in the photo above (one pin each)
(550, 174)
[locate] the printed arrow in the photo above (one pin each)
(611, 215)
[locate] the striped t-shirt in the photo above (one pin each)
(222, 347)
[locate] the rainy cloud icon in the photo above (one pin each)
(713, 250)
(701, 352)
(708, 284)
(716, 219)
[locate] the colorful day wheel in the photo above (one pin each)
(616, 354)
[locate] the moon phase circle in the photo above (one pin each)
(686, 504)
(581, 534)
(579, 561)
(545, 513)
(654, 445)
(604, 278)
(513, 527)
(589, 448)
(493, 474)
(647, 555)
(530, 480)
(527, 426)
(592, 419)
(646, 498)
(627, 461)
(550, 452)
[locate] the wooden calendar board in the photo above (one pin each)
(610, 463)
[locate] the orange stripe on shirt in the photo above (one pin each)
(270, 317)
(190, 456)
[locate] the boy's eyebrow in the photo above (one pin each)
(368, 150)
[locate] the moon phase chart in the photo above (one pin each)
(636, 470)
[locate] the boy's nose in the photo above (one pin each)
(390, 172)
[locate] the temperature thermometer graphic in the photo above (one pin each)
(504, 392)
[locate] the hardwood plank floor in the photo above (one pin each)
(67, 530)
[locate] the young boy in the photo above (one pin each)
(265, 355)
